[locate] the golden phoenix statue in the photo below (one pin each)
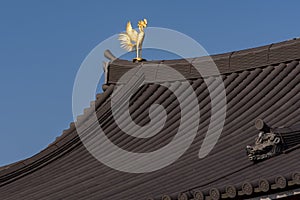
(132, 40)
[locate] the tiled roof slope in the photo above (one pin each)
(260, 83)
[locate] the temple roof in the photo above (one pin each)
(263, 83)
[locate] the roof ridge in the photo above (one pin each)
(230, 62)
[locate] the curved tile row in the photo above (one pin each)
(244, 190)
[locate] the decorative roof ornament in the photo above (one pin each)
(132, 40)
(267, 144)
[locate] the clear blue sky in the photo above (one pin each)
(42, 44)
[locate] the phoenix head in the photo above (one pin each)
(142, 24)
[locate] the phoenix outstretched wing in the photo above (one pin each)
(133, 34)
